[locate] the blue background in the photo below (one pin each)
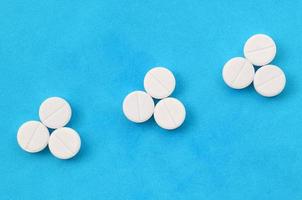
(233, 145)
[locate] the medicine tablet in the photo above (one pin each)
(269, 80)
(64, 143)
(138, 106)
(238, 73)
(33, 136)
(159, 82)
(260, 49)
(55, 112)
(169, 113)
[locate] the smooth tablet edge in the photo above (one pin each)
(25, 147)
(282, 74)
(231, 83)
(170, 115)
(64, 104)
(274, 46)
(138, 93)
(73, 153)
(151, 72)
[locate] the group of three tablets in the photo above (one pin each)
(259, 50)
(63, 142)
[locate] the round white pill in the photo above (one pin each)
(33, 136)
(260, 49)
(138, 106)
(64, 143)
(159, 82)
(169, 113)
(55, 112)
(238, 73)
(269, 80)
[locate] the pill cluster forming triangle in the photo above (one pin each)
(159, 83)
(63, 142)
(239, 72)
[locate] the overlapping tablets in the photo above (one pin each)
(159, 83)
(239, 72)
(63, 142)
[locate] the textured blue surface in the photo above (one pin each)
(234, 145)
